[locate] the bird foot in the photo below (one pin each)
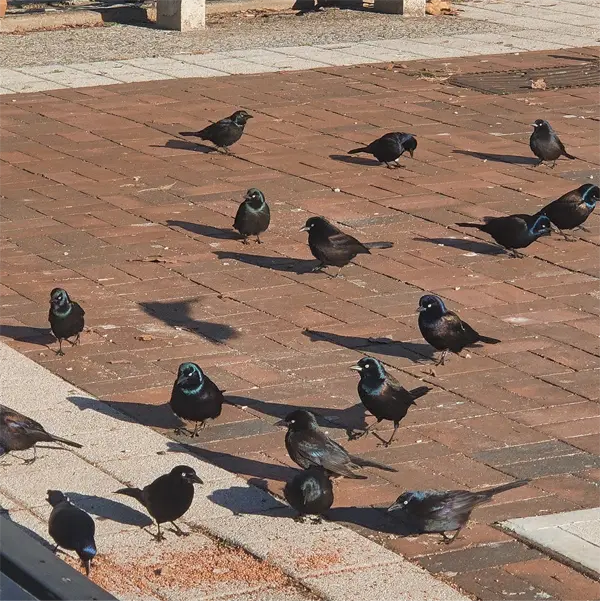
(300, 519)
(159, 538)
(356, 434)
(186, 431)
(60, 353)
(317, 269)
(315, 519)
(29, 461)
(245, 241)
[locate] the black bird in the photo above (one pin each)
(253, 215)
(223, 133)
(546, 144)
(309, 446)
(71, 528)
(444, 330)
(572, 209)
(389, 148)
(331, 246)
(442, 511)
(18, 433)
(383, 395)
(310, 492)
(195, 397)
(514, 231)
(65, 317)
(168, 497)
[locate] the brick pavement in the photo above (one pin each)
(99, 195)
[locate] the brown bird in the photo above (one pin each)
(19, 432)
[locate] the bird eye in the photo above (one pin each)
(429, 306)
(292, 421)
(405, 502)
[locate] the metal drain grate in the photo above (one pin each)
(510, 82)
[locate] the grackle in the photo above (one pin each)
(439, 511)
(309, 446)
(223, 133)
(331, 246)
(545, 143)
(253, 215)
(389, 148)
(65, 317)
(572, 209)
(18, 433)
(310, 492)
(444, 330)
(195, 397)
(514, 231)
(383, 395)
(71, 528)
(168, 497)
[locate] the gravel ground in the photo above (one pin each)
(225, 32)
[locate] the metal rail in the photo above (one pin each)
(28, 570)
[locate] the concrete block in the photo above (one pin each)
(224, 63)
(406, 8)
(66, 76)
(181, 15)
(120, 71)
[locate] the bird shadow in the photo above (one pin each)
(474, 246)
(416, 351)
(205, 230)
(354, 160)
(185, 145)
(499, 158)
(177, 313)
(107, 509)
(243, 501)
(41, 336)
(235, 464)
(285, 264)
(373, 518)
(156, 416)
(34, 535)
(327, 417)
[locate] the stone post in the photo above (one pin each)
(407, 8)
(181, 15)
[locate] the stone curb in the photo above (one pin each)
(330, 560)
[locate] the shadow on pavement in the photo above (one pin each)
(107, 509)
(205, 230)
(41, 336)
(474, 246)
(354, 160)
(286, 264)
(499, 158)
(177, 313)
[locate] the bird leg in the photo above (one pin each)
(337, 275)
(516, 254)
(553, 165)
(60, 352)
(75, 342)
(583, 228)
(319, 267)
(245, 240)
(449, 539)
(179, 531)
(196, 428)
(30, 461)
(389, 442)
(182, 429)
(357, 435)
(299, 518)
(258, 239)
(159, 536)
(442, 359)
(540, 161)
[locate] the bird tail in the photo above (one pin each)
(488, 493)
(370, 463)
(189, 133)
(488, 340)
(65, 441)
(378, 244)
(357, 150)
(419, 392)
(477, 225)
(569, 156)
(136, 493)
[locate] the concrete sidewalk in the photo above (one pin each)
(518, 26)
(243, 543)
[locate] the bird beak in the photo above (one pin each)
(87, 566)
(355, 367)
(534, 124)
(196, 479)
(304, 229)
(249, 116)
(394, 506)
(420, 309)
(412, 154)
(281, 423)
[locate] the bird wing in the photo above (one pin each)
(344, 241)
(78, 308)
(393, 383)
(404, 138)
(319, 449)
(19, 423)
